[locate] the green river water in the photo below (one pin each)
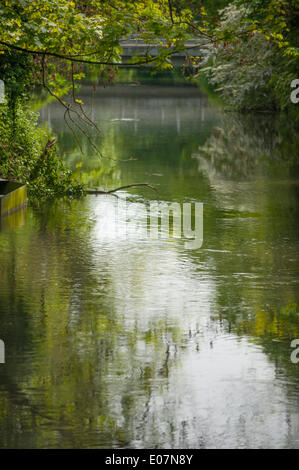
(116, 341)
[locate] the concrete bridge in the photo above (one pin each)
(133, 47)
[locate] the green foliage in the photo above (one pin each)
(16, 71)
(251, 71)
(44, 43)
(253, 54)
(92, 32)
(275, 20)
(22, 149)
(23, 156)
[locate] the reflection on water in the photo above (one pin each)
(142, 343)
(14, 219)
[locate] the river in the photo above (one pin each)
(117, 340)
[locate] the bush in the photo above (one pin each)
(28, 154)
(251, 73)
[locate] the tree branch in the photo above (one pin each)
(97, 191)
(76, 59)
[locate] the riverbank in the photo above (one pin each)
(117, 340)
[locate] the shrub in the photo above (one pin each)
(28, 154)
(251, 72)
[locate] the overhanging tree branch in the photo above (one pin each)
(111, 191)
(71, 58)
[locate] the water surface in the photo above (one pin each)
(123, 341)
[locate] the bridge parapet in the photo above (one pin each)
(133, 48)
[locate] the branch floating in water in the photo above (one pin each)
(97, 191)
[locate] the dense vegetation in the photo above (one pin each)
(252, 59)
(28, 152)
(253, 70)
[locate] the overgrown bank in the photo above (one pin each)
(252, 59)
(252, 68)
(28, 152)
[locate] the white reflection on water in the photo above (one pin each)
(139, 319)
(120, 219)
(210, 388)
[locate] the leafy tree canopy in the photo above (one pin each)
(80, 31)
(90, 31)
(254, 47)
